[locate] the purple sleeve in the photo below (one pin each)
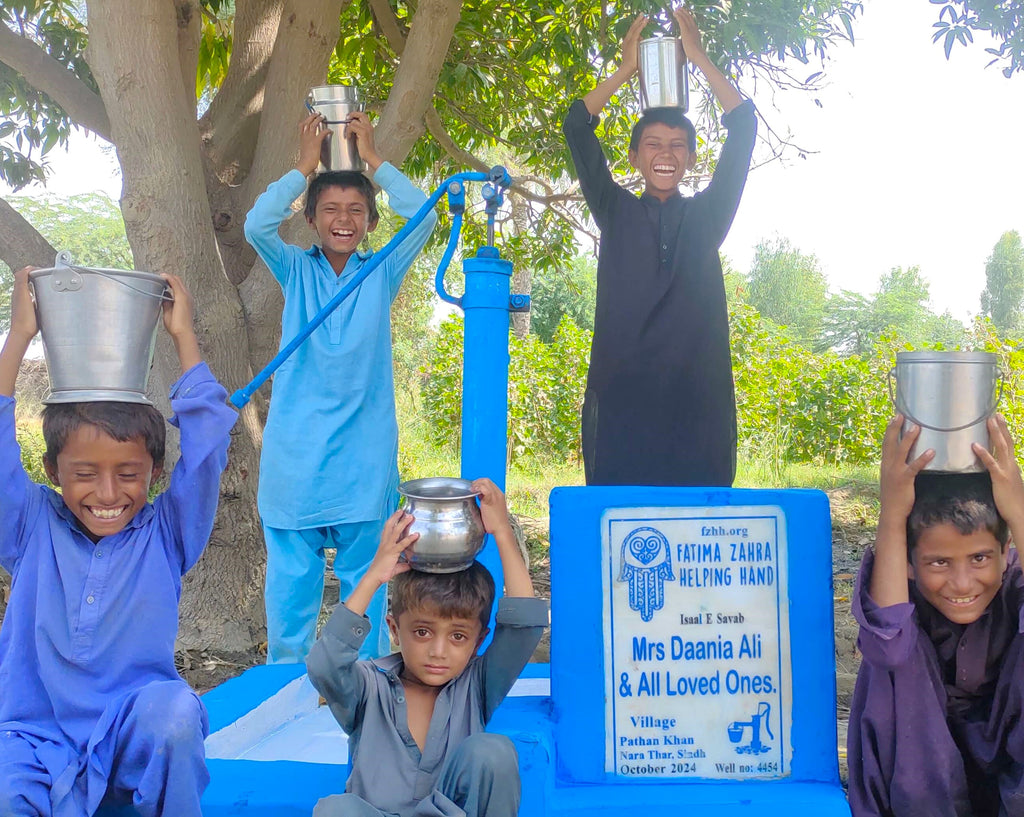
(17, 498)
(189, 505)
(888, 635)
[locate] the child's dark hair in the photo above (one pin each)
(343, 179)
(466, 594)
(122, 421)
(962, 500)
(673, 117)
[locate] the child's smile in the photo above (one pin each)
(958, 574)
(104, 481)
(342, 221)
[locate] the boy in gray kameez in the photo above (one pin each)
(416, 718)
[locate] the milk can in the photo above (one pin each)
(336, 103)
(950, 395)
(662, 73)
(448, 520)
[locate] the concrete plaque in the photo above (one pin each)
(697, 655)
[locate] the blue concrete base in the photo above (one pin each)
(290, 789)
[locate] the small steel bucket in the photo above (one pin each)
(950, 395)
(448, 520)
(99, 330)
(663, 74)
(336, 103)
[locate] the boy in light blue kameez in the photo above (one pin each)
(329, 467)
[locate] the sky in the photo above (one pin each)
(911, 160)
(917, 162)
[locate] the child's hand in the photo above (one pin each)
(896, 480)
(630, 47)
(178, 317)
(492, 506)
(23, 312)
(178, 313)
(312, 132)
(362, 128)
(1007, 485)
(395, 540)
(688, 32)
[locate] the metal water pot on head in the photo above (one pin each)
(337, 103)
(663, 74)
(950, 396)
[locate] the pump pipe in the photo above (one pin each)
(241, 397)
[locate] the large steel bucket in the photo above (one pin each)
(99, 330)
(950, 395)
(336, 103)
(663, 75)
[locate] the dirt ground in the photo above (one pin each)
(854, 517)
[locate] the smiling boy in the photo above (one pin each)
(935, 721)
(659, 407)
(92, 708)
(416, 719)
(329, 467)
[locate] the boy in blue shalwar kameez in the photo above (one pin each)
(91, 705)
(329, 467)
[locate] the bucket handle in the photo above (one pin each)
(164, 296)
(315, 112)
(903, 410)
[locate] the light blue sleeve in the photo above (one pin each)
(272, 207)
(405, 199)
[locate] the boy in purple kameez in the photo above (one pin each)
(936, 719)
(92, 708)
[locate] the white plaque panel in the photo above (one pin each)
(696, 642)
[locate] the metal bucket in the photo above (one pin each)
(336, 103)
(448, 521)
(663, 75)
(950, 395)
(99, 330)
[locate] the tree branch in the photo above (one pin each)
(189, 31)
(389, 25)
(21, 244)
(83, 105)
(230, 125)
(422, 58)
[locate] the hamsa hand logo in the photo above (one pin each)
(646, 565)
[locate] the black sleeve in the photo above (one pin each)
(722, 195)
(591, 165)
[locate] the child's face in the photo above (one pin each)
(958, 574)
(342, 220)
(435, 648)
(104, 482)
(662, 156)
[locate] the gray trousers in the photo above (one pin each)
(479, 779)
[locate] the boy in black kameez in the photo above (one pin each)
(660, 407)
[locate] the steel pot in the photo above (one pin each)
(950, 395)
(663, 74)
(447, 518)
(336, 103)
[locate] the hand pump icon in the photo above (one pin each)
(755, 747)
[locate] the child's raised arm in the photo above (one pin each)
(725, 92)
(495, 515)
(1007, 485)
(395, 539)
(178, 322)
(23, 328)
(599, 97)
(896, 491)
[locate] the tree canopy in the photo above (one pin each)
(200, 99)
(788, 288)
(1002, 300)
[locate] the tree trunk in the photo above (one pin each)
(167, 218)
(522, 275)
